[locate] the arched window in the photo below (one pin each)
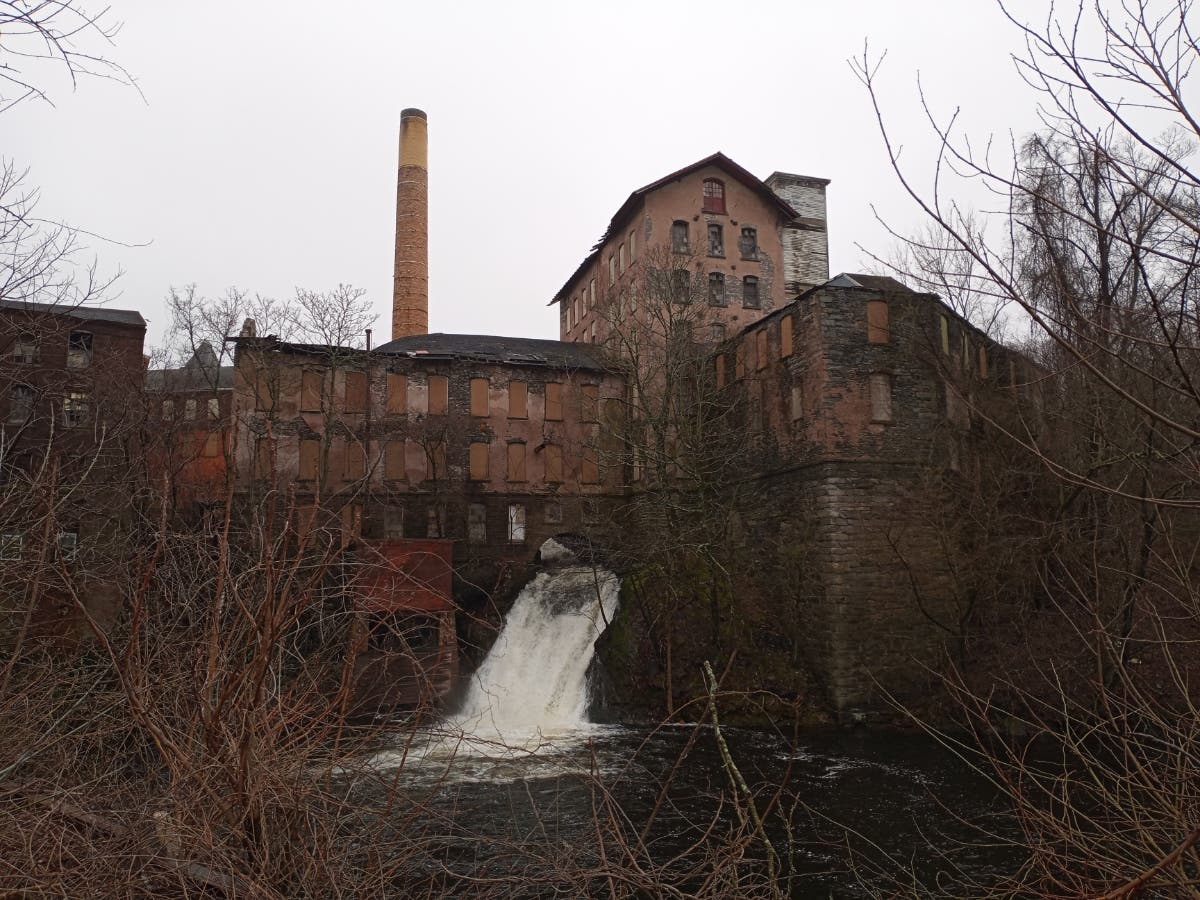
(714, 195)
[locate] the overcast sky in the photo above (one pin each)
(263, 154)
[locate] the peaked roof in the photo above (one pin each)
(203, 372)
(721, 161)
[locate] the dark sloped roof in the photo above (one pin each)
(202, 372)
(83, 313)
(871, 282)
(497, 349)
(718, 159)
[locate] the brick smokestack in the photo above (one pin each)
(410, 292)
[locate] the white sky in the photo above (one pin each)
(264, 152)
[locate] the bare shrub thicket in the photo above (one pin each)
(1090, 231)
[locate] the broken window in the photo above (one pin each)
(394, 468)
(717, 331)
(589, 403)
(310, 390)
(24, 350)
(553, 402)
(479, 460)
(679, 236)
(68, 543)
(881, 397)
(716, 289)
(20, 403)
(355, 392)
(214, 408)
(516, 462)
(516, 523)
(748, 243)
(310, 459)
(750, 298)
(75, 409)
(785, 336)
(554, 466)
(79, 350)
(168, 409)
(439, 394)
(612, 269)
(10, 545)
(479, 398)
(397, 394)
(714, 195)
(518, 396)
(716, 240)
(477, 523)
(680, 283)
(189, 409)
(589, 472)
(877, 322)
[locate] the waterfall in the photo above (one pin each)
(532, 687)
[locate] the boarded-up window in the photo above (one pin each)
(554, 464)
(397, 394)
(263, 395)
(262, 458)
(516, 523)
(439, 394)
(761, 341)
(589, 470)
(477, 523)
(965, 353)
(945, 326)
(554, 402)
(797, 402)
(785, 336)
(310, 459)
(877, 322)
(356, 392)
(479, 397)
(356, 460)
(393, 460)
(589, 403)
(720, 370)
(518, 395)
(740, 361)
(983, 363)
(213, 445)
(310, 390)
(516, 462)
(956, 407)
(479, 460)
(881, 397)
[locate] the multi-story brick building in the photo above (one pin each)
(70, 436)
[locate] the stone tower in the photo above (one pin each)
(410, 292)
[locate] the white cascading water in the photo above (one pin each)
(532, 687)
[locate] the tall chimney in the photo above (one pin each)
(410, 293)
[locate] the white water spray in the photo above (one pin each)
(532, 687)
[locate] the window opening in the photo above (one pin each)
(716, 240)
(714, 195)
(748, 243)
(750, 298)
(716, 289)
(516, 523)
(679, 236)
(79, 350)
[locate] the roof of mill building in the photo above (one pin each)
(496, 349)
(82, 313)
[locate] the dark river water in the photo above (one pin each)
(863, 813)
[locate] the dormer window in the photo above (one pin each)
(714, 195)
(79, 350)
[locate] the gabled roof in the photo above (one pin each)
(884, 283)
(203, 372)
(622, 215)
(496, 349)
(82, 313)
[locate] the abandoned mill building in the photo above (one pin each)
(441, 462)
